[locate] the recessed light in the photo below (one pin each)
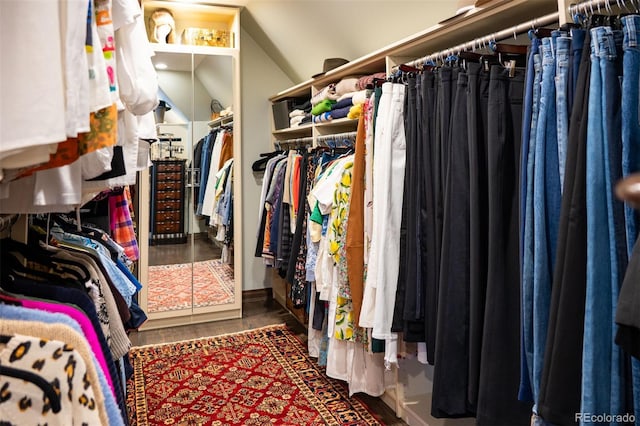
(161, 66)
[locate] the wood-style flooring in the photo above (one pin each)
(169, 254)
(256, 313)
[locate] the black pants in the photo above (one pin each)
(429, 242)
(500, 356)
(450, 380)
(477, 108)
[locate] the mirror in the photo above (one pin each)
(189, 190)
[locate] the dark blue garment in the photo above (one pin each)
(529, 125)
(344, 103)
(205, 161)
(128, 274)
(631, 164)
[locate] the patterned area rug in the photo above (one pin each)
(170, 285)
(257, 377)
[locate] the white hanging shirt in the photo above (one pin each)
(32, 110)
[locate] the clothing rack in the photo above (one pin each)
(483, 42)
(591, 7)
(293, 143)
(227, 120)
(338, 137)
(324, 140)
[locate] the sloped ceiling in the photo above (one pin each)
(299, 34)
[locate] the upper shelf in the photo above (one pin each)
(478, 22)
(194, 25)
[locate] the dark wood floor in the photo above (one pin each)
(256, 313)
(169, 254)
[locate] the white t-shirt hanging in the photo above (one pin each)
(124, 12)
(96, 162)
(137, 78)
(99, 90)
(107, 37)
(32, 85)
(74, 33)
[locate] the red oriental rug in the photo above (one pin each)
(257, 377)
(170, 285)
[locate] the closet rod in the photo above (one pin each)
(337, 136)
(483, 41)
(297, 141)
(594, 6)
(345, 135)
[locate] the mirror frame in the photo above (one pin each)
(215, 312)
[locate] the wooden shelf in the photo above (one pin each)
(221, 120)
(194, 16)
(304, 130)
(340, 122)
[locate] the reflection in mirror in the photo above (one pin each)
(191, 229)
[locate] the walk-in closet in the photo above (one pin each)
(247, 212)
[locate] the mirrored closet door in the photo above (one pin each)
(186, 200)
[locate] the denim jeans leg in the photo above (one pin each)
(527, 250)
(597, 354)
(631, 144)
(562, 117)
(611, 69)
(631, 115)
(546, 196)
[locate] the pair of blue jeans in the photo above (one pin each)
(602, 363)
(631, 145)
(546, 211)
(529, 129)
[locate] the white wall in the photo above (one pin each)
(260, 78)
(300, 34)
(215, 73)
(177, 86)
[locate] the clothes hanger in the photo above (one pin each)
(46, 387)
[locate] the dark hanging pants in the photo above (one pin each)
(450, 378)
(429, 243)
(477, 107)
(500, 357)
(407, 258)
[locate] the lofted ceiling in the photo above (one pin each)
(299, 34)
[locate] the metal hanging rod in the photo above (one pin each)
(324, 140)
(484, 41)
(337, 136)
(296, 142)
(591, 7)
